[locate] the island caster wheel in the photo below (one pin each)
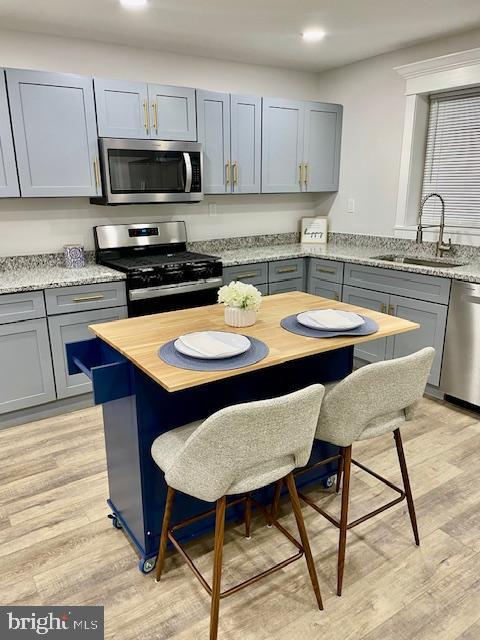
(115, 521)
(148, 565)
(328, 482)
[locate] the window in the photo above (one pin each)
(452, 161)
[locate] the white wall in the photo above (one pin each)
(372, 94)
(43, 225)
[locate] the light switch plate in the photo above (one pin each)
(351, 205)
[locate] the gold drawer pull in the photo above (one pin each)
(325, 270)
(383, 308)
(247, 275)
(97, 296)
(227, 172)
(391, 309)
(286, 269)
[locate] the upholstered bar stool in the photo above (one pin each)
(376, 399)
(236, 451)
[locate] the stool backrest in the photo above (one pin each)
(247, 439)
(373, 391)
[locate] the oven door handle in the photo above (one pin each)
(174, 289)
(188, 172)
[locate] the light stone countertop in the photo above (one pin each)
(46, 277)
(347, 253)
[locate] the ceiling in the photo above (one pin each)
(255, 31)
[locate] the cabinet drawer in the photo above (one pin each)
(285, 269)
(326, 270)
(249, 273)
(21, 306)
(73, 327)
(85, 297)
(403, 283)
(285, 286)
(325, 289)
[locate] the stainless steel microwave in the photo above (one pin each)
(149, 171)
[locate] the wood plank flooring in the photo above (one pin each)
(58, 547)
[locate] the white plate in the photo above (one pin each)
(235, 344)
(349, 321)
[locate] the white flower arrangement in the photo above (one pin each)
(240, 295)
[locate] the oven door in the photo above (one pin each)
(184, 295)
(146, 171)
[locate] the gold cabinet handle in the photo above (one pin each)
(336, 297)
(305, 176)
(155, 116)
(145, 115)
(286, 269)
(300, 174)
(383, 308)
(325, 270)
(391, 309)
(96, 172)
(246, 275)
(97, 296)
(235, 173)
(227, 172)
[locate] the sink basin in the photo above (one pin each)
(422, 262)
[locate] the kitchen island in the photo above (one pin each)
(142, 397)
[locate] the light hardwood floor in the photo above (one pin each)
(57, 546)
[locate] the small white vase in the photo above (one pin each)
(236, 317)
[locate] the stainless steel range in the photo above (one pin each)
(161, 274)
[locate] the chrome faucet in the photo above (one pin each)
(441, 246)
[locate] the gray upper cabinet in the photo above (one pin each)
(8, 168)
(246, 123)
(26, 379)
(172, 112)
(122, 109)
(213, 113)
(282, 145)
(321, 154)
(55, 133)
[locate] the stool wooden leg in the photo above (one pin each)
(163, 538)
(217, 566)
(248, 516)
(275, 501)
(406, 484)
(347, 462)
(297, 510)
(339, 472)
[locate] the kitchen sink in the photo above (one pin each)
(422, 262)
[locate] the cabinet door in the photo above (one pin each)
(246, 119)
(321, 154)
(122, 109)
(213, 113)
(172, 115)
(26, 376)
(325, 289)
(282, 146)
(72, 328)
(8, 168)
(375, 350)
(432, 319)
(55, 133)
(286, 286)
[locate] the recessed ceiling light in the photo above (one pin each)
(134, 4)
(313, 35)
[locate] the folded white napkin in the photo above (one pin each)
(334, 319)
(208, 345)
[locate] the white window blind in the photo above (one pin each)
(452, 161)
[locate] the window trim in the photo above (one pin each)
(445, 73)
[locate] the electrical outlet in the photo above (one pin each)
(212, 209)
(351, 205)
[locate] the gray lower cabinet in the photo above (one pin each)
(85, 297)
(256, 273)
(71, 328)
(21, 306)
(279, 270)
(432, 319)
(325, 289)
(26, 375)
(295, 284)
(374, 350)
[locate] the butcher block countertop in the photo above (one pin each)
(139, 339)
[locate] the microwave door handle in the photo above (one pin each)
(188, 172)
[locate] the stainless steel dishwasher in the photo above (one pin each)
(461, 359)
